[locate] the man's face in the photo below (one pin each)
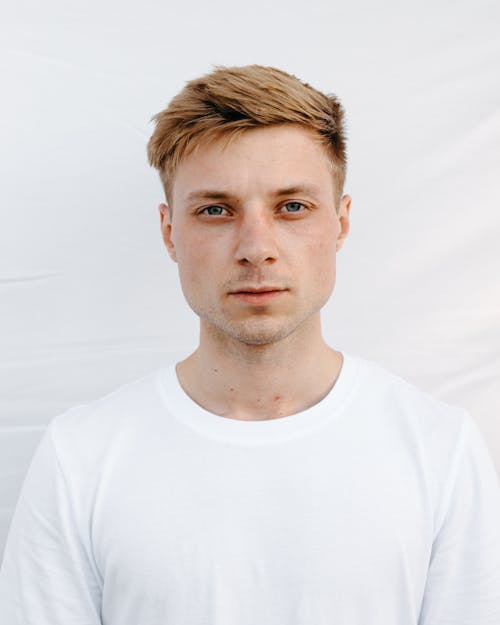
(254, 231)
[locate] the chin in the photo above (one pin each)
(258, 333)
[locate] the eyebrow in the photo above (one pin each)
(215, 194)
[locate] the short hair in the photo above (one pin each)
(231, 100)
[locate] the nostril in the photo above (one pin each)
(247, 261)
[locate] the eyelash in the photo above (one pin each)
(203, 210)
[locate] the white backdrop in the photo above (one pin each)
(88, 296)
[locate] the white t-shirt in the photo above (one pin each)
(378, 506)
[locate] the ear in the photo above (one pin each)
(166, 230)
(343, 215)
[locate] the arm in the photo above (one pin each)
(47, 575)
(463, 582)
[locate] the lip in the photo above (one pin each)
(257, 289)
(258, 296)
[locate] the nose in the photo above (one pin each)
(256, 240)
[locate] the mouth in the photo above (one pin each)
(258, 295)
(257, 290)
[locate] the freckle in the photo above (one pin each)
(231, 390)
(216, 371)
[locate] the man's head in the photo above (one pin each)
(253, 162)
(229, 101)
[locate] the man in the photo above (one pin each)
(266, 479)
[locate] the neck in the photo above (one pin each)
(255, 382)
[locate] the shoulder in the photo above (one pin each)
(393, 394)
(440, 440)
(434, 433)
(90, 431)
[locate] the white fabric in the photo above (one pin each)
(378, 505)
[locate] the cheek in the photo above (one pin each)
(189, 247)
(322, 242)
(322, 261)
(196, 262)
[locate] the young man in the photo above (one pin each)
(266, 479)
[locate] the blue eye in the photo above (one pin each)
(293, 207)
(213, 210)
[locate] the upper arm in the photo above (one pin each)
(463, 582)
(47, 577)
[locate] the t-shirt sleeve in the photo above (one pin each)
(47, 576)
(463, 581)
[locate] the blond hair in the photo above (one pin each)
(230, 100)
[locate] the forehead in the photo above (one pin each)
(259, 159)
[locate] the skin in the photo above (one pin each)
(257, 213)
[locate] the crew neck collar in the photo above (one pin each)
(205, 423)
